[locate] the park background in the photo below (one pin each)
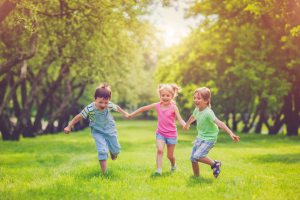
(55, 53)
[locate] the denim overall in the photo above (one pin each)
(103, 129)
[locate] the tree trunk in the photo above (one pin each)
(24, 120)
(234, 121)
(12, 91)
(5, 126)
(6, 8)
(278, 122)
(247, 128)
(62, 107)
(17, 109)
(63, 121)
(259, 124)
(291, 112)
(43, 105)
(263, 106)
(3, 87)
(226, 115)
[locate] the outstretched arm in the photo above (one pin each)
(74, 121)
(188, 123)
(179, 119)
(125, 114)
(225, 128)
(142, 109)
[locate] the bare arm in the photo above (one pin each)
(225, 128)
(142, 109)
(125, 114)
(179, 119)
(188, 123)
(71, 124)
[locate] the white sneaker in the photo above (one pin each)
(173, 168)
(158, 172)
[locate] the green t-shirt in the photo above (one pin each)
(207, 129)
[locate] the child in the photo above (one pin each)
(166, 132)
(103, 127)
(207, 126)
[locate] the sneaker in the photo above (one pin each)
(158, 172)
(173, 168)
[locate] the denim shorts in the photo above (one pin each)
(201, 149)
(167, 140)
(105, 143)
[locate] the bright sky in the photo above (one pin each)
(172, 22)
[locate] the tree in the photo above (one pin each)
(242, 50)
(80, 42)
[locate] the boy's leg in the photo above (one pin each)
(160, 152)
(196, 170)
(101, 146)
(171, 156)
(103, 165)
(206, 160)
(113, 145)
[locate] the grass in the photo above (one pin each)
(64, 166)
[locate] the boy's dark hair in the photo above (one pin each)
(103, 91)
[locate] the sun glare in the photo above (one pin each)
(170, 33)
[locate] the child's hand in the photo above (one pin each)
(186, 127)
(67, 130)
(126, 115)
(235, 138)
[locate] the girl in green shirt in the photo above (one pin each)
(207, 127)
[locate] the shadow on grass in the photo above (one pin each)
(198, 181)
(98, 174)
(279, 158)
(164, 174)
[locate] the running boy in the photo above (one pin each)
(102, 124)
(207, 126)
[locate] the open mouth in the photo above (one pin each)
(102, 108)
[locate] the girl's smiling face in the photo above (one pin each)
(199, 101)
(166, 97)
(101, 103)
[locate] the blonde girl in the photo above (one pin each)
(207, 126)
(166, 132)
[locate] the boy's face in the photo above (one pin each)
(101, 103)
(199, 101)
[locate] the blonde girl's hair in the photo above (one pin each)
(172, 88)
(204, 92)
(103, 91)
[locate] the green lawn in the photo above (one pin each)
(64, 166)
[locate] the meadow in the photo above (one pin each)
(61, 166)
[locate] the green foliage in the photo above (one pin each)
(100, 41)
(245, 51)
(66, 167)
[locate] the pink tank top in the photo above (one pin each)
(166, 122)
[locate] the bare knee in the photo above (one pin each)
(171, 157)
(160, 151)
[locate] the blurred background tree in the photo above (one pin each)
(247, 52)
